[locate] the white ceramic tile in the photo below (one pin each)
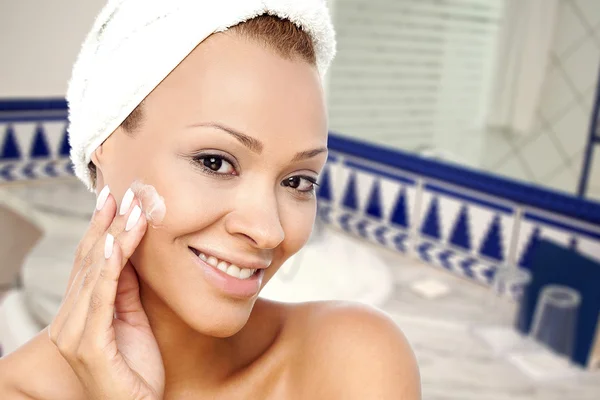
(569, 28)
(364, 185)
(541, 156)
(557, 95)
(339, 180)
(589, 10)
(411, 203)
(526, 229)
(24, 134)
(449, 212)
(556, 235)
(426, 199)
(593, 193)
(587, 102)
(589, 247)
(480, 220)
(496, 147)
(594, 174)
(389, 195)
(54, 135)
(571, 130)
(565, 180)
(508, 222)
(582, 65)
(513, 168)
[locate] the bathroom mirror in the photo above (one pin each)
(503, 86)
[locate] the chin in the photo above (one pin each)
(214, 316)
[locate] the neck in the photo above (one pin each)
(203, 362)
(188, 356)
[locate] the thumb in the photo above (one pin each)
(128, 306)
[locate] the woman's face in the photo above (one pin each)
(232, 139)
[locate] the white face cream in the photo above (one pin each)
(152, 204)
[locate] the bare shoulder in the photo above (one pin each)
(36, 371)
(353, 351)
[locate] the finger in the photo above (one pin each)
(118, 224)
(101, 308)
(85, 271)
(103, 216)
(71, 333)
(96, 298)
(128, 305)
(127, 205)
(106, 207)
(130, 227)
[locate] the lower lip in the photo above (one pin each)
(234, 287)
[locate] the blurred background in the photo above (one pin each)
(461, 196)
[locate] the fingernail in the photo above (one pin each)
(126, 202)
(108, 245)
(133, 218)
(102, 198)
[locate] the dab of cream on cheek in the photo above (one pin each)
(152, 204)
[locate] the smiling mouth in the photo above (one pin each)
(225, 267)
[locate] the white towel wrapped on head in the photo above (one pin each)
(135, 44)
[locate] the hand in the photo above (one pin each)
(101, 328)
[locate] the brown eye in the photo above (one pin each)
(216, 164)
(293, 182)
(304, 184)
(213, 163)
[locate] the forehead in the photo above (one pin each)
(238, 81)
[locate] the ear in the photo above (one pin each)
(97, 157)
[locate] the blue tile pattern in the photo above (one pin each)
(34, 150)
(467, 233)
(536, 225)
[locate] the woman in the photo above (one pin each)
(233, 138)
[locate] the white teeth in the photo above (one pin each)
(246, 273)
(212, 261)
(229, 269)
(234, 271)
(223, 266)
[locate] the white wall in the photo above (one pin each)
(39, 41)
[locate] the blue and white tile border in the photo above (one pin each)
(465, 221)
(33, 140)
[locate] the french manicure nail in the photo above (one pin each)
(102, 198)
(133, 218)
(108, 245)
(126, 202)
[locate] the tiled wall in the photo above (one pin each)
(552, 154)
(443, 214)
(34, 149)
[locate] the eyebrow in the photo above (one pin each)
(248, 141)
(303, 155)
(256, 145)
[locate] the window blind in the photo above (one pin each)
(412, 73)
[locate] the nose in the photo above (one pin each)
(256, 220)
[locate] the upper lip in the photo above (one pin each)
(242, 262)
